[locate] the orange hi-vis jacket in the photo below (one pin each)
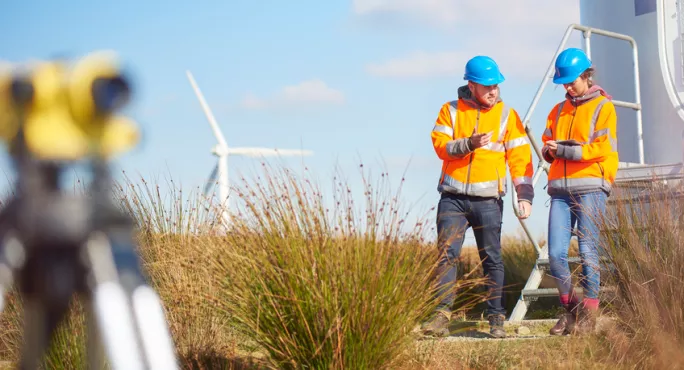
(590, 162)
(482, 172)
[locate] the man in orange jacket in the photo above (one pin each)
(475, 137)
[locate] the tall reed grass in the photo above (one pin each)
(339, 287)
(643, 239)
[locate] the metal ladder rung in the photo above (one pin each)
(553, 292)
(545, 261)
(548, 292)
(624, 104)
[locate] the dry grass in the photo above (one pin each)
(551, 353)
(644, 243)
(300, 281)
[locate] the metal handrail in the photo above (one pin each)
(536, 275)
(587, 32)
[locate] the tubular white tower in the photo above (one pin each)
(654, 31)
(222, 151)
(656, 26)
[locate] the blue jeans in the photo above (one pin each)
(455, 213)
(567, 211)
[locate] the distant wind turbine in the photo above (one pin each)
(222, 151)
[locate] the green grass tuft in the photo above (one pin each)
(324, 288)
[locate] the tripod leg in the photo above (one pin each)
(150, 321)
(111, 307)
(12, 251)
(5, 283)
(35, 335)
(116, 326)
(153, 329)
(12, 258)
(39, 325)
(95, 351)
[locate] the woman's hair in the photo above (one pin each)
(588, 75)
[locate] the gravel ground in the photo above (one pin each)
(479, 330)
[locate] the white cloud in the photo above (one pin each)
(439, 10)
(521, 35)
(420, 64)
(311, 91)
(515, 60)
(252, 102)
(484, 14)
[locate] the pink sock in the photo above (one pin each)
(591, 303)
(567, 299)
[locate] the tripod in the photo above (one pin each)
(55, 245)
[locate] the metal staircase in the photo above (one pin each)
(531, 292)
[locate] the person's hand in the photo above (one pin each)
(480, 140)
(553, 147)
(524, 209)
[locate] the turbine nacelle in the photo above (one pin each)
(220, 151)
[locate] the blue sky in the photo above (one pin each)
(351, 80)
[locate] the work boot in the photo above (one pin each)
(496, 326)
(438, 325)
(566, 322)
(561, 325)
(586, 321)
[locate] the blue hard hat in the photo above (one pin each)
(570, 64)
(483, 70)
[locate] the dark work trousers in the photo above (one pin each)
(455, 214)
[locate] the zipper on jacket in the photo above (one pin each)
(499, 186)
(467, 184)
(567, 137)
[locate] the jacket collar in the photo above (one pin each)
(591, 94)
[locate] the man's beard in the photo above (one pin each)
(486, 103)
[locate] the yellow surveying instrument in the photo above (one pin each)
(54, 245)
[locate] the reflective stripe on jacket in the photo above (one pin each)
(591, 162)
(482, 172)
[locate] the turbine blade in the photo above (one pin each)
(211, 181)
(207, 111)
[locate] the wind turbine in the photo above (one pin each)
(222, 151)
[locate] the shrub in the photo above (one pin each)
(325, 287)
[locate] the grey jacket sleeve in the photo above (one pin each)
(547, 154)
(572, 153)
(525, 192)
(459, 147)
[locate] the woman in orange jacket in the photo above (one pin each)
(580, 142)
